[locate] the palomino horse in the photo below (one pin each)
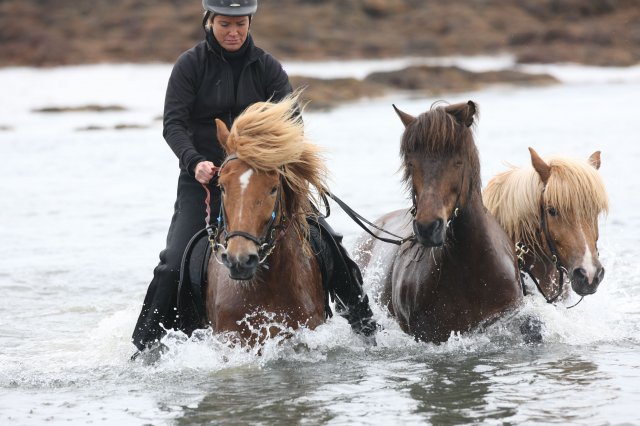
(459, 271)
(262, 270)
(551, 210)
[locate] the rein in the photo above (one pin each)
(359, 219)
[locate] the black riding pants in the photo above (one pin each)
(159, 310)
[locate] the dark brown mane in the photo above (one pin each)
(442, 132)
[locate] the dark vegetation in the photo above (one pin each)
(598, 32)
(55, 32)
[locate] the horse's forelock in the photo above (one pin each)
(270, 137)
(576, 189)
(436, 133)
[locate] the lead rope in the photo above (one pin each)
(212, 232)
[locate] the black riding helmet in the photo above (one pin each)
(231, 7)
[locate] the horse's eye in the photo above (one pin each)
(274, 190)
(552, 211)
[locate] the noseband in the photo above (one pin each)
(265, 243)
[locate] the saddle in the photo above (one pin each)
(192, 284)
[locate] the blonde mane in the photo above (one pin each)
(575, 189)
(270, 137)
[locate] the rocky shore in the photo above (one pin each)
(58, 32)
(596, 32)
(426, 80)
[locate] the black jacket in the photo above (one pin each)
(201, 88)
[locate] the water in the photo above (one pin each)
(84, 215)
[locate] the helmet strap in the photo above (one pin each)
(207, 14)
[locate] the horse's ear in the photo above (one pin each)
(594, 160)
(223, 133)
(404, 117)
(543, 169)
(464, 113)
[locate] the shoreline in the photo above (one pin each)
(101, 82)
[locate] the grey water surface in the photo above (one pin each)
(84, 215)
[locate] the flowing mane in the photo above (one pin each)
(437, 132)
(270, 137)
(575, 189)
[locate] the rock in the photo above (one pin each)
(437, 80)
(324, 94)
(83, 108)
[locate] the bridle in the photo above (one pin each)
(266, 242)
(522, 250)
(456, 210)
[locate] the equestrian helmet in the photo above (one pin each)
(231, 7)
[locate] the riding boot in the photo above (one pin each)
(341, 277)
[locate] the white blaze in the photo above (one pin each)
(588, 265)
(587, 260)
(244, 180)
(244, 183)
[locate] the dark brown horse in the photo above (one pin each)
(550, 210)
(263, 275)
(459, 271)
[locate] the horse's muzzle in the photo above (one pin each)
(430, 235)
(242, 267)
(580, 281)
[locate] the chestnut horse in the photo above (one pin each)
(263, 275)
(550, 211)
(459, 271)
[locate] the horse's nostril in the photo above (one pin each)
(430, 229)
(600, 275)
(252, 261)
(225, 259)
(580, 273)
(431, 234)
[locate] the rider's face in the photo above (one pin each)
(230, 31)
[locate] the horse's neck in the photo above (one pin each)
(286, 257)
(470, 228)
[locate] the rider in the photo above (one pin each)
(219, 78)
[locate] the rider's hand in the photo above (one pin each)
(204, 171)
